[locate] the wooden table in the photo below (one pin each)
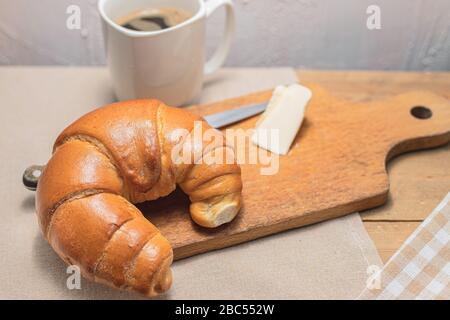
(419, 180)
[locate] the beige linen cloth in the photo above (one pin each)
(326, 260)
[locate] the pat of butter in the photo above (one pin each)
(278, 125)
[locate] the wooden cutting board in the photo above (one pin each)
(336, 166)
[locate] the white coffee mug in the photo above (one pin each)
(167, 64)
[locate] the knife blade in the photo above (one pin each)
(225, 118)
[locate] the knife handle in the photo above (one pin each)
(31, 176)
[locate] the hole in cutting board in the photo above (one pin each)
(421, 112)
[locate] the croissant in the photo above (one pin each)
(122, 154)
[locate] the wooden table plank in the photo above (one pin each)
(370, 85)
(419, 180)
(389, 236)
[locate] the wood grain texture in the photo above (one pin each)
(336, 166)
(364, 86)
(418, 180)
(389, 236)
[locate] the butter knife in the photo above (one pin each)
(225, 118)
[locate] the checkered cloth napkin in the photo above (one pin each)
(420, 269)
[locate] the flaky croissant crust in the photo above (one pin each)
(115, 156)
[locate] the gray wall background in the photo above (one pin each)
(325, 34)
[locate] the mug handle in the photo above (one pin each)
(219, 57)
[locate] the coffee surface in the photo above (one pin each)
(154, 19)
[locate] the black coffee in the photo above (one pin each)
(153, 19)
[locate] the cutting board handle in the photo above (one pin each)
(410, 121)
